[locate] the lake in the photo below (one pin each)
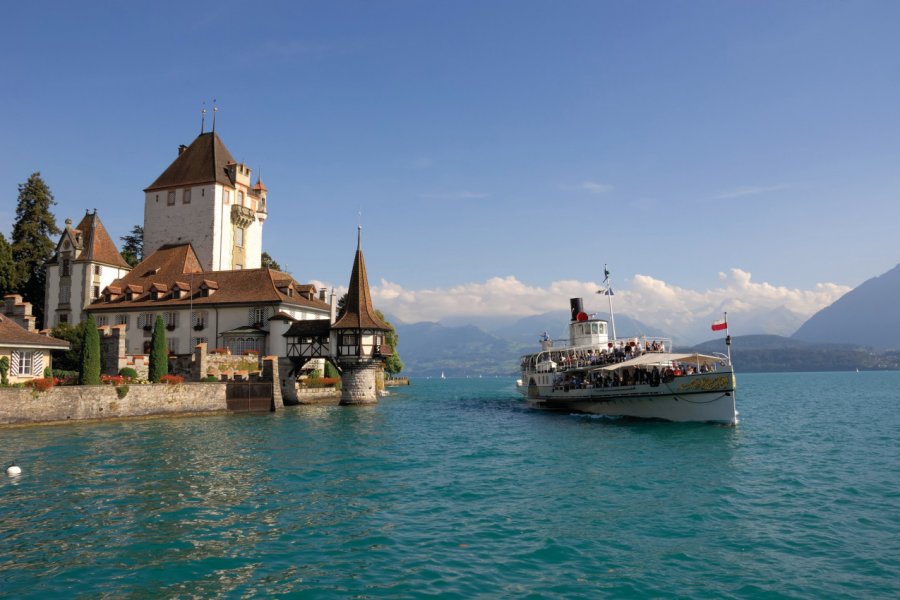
(454, 488)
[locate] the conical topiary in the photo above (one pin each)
(90, 353)
(159, 351)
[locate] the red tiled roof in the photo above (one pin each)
(96, 243)
(13, 334)
(204, 161)
(176, 263)
(358, 311)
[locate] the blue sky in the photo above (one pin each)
(526, 140)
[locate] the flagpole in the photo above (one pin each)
(727, 338)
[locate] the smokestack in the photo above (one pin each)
(577, 307)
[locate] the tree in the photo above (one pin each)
(133, 247)
(8, 278)
(341, 306)
(159, 351)
(69, 360)
(269, 263)
(31, 242)
(90, 357)
(393, 364)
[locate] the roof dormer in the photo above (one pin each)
(158, 291)
(208, 288)
(133, 292)
(180, 290)
(111, 292)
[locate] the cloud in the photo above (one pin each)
(454, 196)
(592, 187)
(650, 300)
(747, 191)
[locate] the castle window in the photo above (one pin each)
(240, 198)
(171, 199)
(198, 340)
(122, 320)
(171, 319)
(95, 292)
(173, 345)
(198, 319)
(102, 320)
(203, 192)
(239, 237)
(226, 197)
(63, 318)
(66, 270)
(98, 269)
(186, 196)
(145, 320)
(258, 315)
(26, 362)
(65, 293)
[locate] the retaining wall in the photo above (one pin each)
(73, 403)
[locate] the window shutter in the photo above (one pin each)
(38, 363)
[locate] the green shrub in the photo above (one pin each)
(128, 373)
(4, 370)
(159, 351)
(66, 377)
(210, 379)
(48, 372)
(122, 391)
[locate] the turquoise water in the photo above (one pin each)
(453, 489)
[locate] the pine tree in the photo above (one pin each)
(159, 351)
(8, 278)
(90, 357)
(133, 248)
(31, 242)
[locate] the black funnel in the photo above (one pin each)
(576, 306)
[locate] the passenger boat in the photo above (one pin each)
(594, 372)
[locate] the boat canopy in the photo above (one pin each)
(664, 359)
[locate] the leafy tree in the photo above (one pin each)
(69, 360)
(341, 306)
(133, 246)
(31, 242)
(90, 357)
(393, 364)
(269, 263)
(8, 278)
(159, 351)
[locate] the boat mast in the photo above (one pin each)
(608, 291)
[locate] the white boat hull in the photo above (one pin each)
(702, 398)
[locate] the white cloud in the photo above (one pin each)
(652, 301)
(593, 187)
(740, 192)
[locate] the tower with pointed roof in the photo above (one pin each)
(207, 199)
(85, 262)
(357, 337)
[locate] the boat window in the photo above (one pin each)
(596, 328)
(602, 328)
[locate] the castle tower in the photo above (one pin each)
(85, 262)
(206, 198)
(357, 338)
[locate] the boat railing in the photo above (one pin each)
(564, 357)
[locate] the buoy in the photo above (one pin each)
(13, 470)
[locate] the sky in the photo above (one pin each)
(715, 154)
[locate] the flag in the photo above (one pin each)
(720, 325)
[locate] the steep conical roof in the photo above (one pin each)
(204, 161)
(358, 311)
(96, 243)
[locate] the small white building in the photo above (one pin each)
(28, 351)
(85, 262)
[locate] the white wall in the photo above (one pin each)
(182, 223)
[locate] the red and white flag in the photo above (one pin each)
(720, 325)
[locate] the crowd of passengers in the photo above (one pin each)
(626, 377)
(615, 353)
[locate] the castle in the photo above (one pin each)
(201, 271)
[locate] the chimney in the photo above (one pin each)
(577, 307)
(181, 149)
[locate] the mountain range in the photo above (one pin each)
(858, 331)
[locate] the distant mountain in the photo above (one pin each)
(427, 349)
(866, 316)
(774, 353)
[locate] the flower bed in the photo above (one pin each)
(112, 379)
(171, 379)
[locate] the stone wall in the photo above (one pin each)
(72, 403)
(358, 383)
